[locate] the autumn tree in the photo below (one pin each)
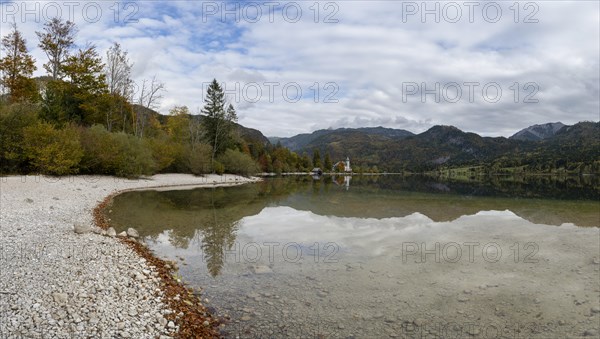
(56, 40)
(85, 71)
(80, 97)
(17, 67)
(218, 121)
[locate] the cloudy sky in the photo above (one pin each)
(293, 67)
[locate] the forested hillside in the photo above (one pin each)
(574, 149)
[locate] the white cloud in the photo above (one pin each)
(368, 54)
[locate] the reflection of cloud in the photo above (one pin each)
(369, 236)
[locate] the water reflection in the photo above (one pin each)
(212, 216)
(377, 256)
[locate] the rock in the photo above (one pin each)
(261, 269)
(472, 330)
(419, 322)
(111, 232)
(206, 323)
(590, 333)
(595, 309)
(245, 318)
(28, 200)
(81, 228)
(123, 234)
(321, 294)
(463, 299)
(252, 295)
(131, 232)
(60, 298)
(171, 324)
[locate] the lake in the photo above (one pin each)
(384, 256)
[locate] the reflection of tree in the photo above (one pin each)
(218, 236)
(178, 240)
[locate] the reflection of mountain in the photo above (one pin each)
(441, 208)
(212, 216)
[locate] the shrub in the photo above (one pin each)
(197, 159)
(115, 153)
(236, 162)
(13, 120)
(164, 152)
(218, 167)
(52, 151)
(135, 157)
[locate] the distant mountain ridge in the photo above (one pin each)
(540, 147)
(302, 141)
(538, 132)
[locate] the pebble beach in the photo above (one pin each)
(62, 277)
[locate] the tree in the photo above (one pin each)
(306, 164)
(17, 67)
(84, 71)
(218, 121)
(117, 71)
(328, 164)
(316, 158)
(56, 40)
(149, 97)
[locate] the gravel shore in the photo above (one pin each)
(55, 283)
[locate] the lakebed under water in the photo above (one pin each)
(384, 256)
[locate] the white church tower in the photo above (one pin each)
(347, 167)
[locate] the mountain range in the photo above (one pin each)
(538, 132)
(538, 147)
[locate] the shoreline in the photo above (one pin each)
(52, 286)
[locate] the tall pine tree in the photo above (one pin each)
(218, 120)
